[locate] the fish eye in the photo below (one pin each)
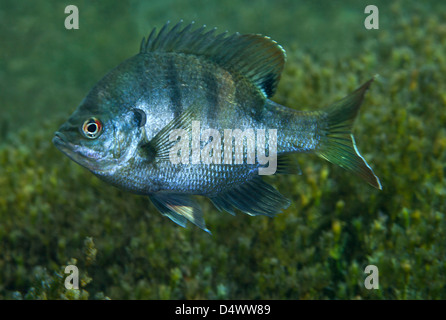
(92, 128)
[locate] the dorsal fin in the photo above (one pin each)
(254, 56)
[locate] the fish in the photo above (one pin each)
(190, 115)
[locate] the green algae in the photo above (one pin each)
(54, 213)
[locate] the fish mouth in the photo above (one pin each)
(61, 143)
(75, 152)
(83, 156)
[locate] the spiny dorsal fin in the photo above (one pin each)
(254, 56)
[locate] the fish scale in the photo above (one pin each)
(183, 82)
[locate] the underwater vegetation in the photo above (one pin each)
(54, 213)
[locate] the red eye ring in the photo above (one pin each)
(92, 128)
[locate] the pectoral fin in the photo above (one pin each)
(158, 148)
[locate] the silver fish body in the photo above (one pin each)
(206, 87)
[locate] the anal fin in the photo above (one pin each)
(254, 197)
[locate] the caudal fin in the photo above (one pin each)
(337, 143)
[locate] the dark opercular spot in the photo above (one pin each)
(140, 117)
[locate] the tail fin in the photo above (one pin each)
(337, 142)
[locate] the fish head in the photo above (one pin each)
(101, 138)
